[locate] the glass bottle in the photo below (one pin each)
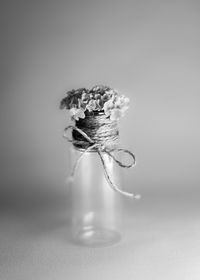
(96, 207)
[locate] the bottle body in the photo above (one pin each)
(96, 207)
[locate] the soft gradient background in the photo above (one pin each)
(148, 50)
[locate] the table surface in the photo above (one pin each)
(161, 241)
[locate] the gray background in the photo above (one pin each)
(149, 51)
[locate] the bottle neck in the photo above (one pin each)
(99, 128)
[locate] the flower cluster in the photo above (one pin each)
(82, 101)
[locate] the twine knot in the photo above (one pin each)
(82, 139)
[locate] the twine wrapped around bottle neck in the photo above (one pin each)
(99, 128)
(98, 133)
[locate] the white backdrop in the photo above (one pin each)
(148, 50)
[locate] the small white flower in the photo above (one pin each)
(118, 103)
(116, 114)
(91, 106)
(97, 99)
(82, 104)
(77, 113)
(108, 106)
(126, 100)
(125, 105)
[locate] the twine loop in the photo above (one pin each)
(100, 148)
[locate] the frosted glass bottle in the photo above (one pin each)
(96, 207)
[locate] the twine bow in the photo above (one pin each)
(101, 148)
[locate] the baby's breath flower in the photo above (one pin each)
(99, 105)
(98, 98)
(124, 103)
(82, 104)
(116, 114)
(91, 106)
(108, 106)
(77, 113)
(63, 103)
(85, 96)
(105, 97)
